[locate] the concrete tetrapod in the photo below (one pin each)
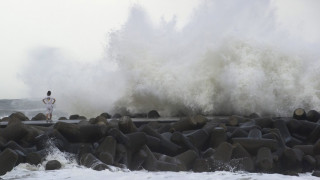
(8, 159)
(254, 142)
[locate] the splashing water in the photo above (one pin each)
(230, 58)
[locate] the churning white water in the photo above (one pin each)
(232, 57)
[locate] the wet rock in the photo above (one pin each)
(57, 139)
(70, 131)
(21, 157)
(2, 141)
(106, 115)
(292, 158)
(239, 152)
(84, 122)
(35, 158)
(53, 165)
(313, 115)
(223, 152)
(106, 158)
(201, 165)
(316, 148)
(235, 120)
(74, 117)
(31, 133)
(153, 143)
(166, 146)
(101, 120)
(136, 141)
(181, 140)
(317, 158)
(187, 159)
(39, 116)
(309, 163)
(109, 145)
(126, 125)
(254, 115)
(138, 159)
(19, 115)
(82, 117)
(299, 114)
(169, 159)
(15, 146)
(119, 136)
(198, 138)
(264, 122)
(315, 134)
(275, 145)
(255, 134)
(306, 149)
(254, 142)
(283, 129)
(153, 114)
(189, 123)
(122, 155)
(6, 119)
(264, 159)
(92, 133)
(316, 173)
(165, 166)
(140, 115)
(8, 159)
(79, 148)
(239, 133)
(15, 130)
(209, 152)
(242, 164)
(91, 161)
(83, 133)
(217, 137)
(150, 161)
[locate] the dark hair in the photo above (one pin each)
(49, 93)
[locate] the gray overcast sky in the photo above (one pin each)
(80, 28)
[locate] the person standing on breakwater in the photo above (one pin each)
(49, 101)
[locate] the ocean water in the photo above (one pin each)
(30, 107)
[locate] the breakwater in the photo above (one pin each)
(286, 145)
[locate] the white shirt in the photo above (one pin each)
(49, 101)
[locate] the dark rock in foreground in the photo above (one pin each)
(39, 116)
(53, 165)
(253, 144)
(8, 159)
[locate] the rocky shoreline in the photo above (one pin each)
(194, 143)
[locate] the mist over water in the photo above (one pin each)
(232, 57)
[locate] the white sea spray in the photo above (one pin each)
(232, 57)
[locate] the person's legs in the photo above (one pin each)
(47, 114)
(50, 113)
